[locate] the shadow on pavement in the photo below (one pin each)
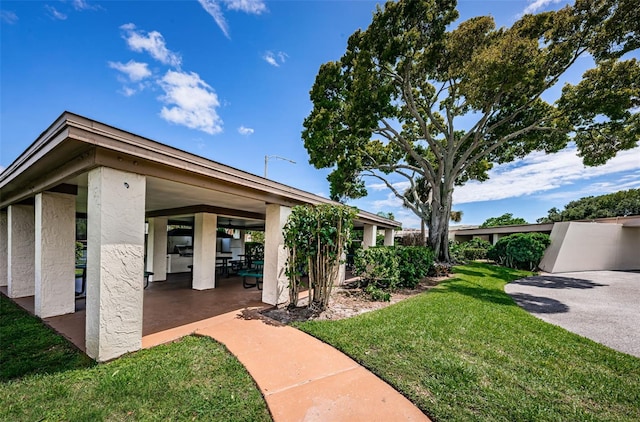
(538, 304)
(555, 282)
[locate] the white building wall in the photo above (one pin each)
(369, 236)
(55, 238)
(275, 285)
(204, 251)
(580, 246)
(3, 248)
(21, 251)
(115, 262)
(157, 248)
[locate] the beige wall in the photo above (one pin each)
(578, 246)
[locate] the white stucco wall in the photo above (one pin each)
(275, 285)
(388, 237)
(369, 236)
(580, 246)
(3, 248)
(55, 237)
(204, 251)
(157, 248)
(21, 251)
(115, 262)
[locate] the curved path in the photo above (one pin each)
(603, 306)
(300, 377)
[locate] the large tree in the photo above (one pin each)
(433, 104)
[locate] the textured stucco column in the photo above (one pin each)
(388, 237)
(204, 251)
(275, 283)
(115, 262)
(21, 278)
(3, 248)
(55, 254)
(157, 248)
(369, 236)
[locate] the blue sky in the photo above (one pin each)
(229, 80)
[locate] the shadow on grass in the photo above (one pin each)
(555, 282)
(476, 291)
(539, 304)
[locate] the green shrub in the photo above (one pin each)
(377, 294)
(378, 266)
(414, 263)
(520, 250)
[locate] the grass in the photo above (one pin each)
(465, 351)
(192, 379)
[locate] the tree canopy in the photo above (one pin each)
(618, 204)
(504, 220)
(424, 105)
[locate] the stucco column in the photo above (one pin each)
(204, 251)
(157, 249)
(21, 251)
(275, 282)
(369, 236)
(115, 262)
(3, 248)
(388, 237)
(55, 254)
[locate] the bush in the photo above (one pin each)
(520, 250)
(378, 266)
(414, 262)
(475, 249)
(385, 268)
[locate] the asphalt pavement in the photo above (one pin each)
(603, 306)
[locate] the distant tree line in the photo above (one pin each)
(612, 205)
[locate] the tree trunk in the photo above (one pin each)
(439, 223)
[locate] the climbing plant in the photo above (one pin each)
(316, 237)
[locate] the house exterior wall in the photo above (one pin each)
(21, 251)
(275, 283)
(579, 246)
(3, 248)
(115, 262)
(55, 238)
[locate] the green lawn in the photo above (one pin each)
(193, 379)
(466, 351)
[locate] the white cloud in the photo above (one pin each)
(254, 7)
(400, 186)
(152, 42)
(391, 201)
(8, 17)
(55, 14)
(275, 59)
(213, 8)
(190, 102)
(127, 91)
(537, 5)
(135, 71)
(83, 5)
(245, 130)
(539, 172)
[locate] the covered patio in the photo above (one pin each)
(171, 309)
(130, 190)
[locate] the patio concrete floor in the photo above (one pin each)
(171, 309)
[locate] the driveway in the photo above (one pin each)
(601, 305)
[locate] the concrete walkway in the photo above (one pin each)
(600, 305)
(302, 378)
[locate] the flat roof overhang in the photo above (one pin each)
(178, 182)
